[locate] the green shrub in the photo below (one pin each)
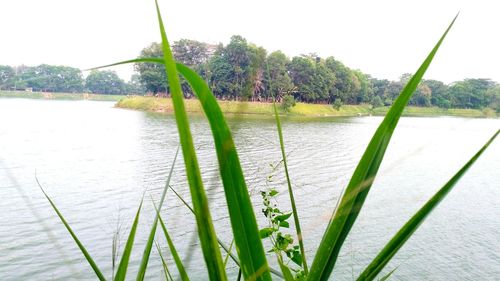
(287, 103)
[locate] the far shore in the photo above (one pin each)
(164, 105)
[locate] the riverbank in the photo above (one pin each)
(164, 105)
(59, 96)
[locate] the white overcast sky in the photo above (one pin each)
(382, 38)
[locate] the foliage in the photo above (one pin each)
(287, 103)
(104, 82)
(252, 259)
(337, 104)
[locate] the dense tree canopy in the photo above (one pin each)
(105, 82)
(243, 71)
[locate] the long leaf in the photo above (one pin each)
(122, 268)
(363, 177)
(224, 246)
(77, 241)
(164, 263)
(411, 226)
(245, 231)
(290, 190)
(204, 223)
(173, 250)
(149, 244)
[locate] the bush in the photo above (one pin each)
(287, 102)
(337, 104)
(377, 102)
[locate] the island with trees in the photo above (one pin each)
(244, 72)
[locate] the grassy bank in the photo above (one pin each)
(164, 105)
(59, 96)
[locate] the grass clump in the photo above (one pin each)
(251, 257)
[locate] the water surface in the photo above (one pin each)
(96, 162)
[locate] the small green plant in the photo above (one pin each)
(287, 103)
(377, 102)
(337, 104)
(252, 258)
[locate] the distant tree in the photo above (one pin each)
(51, 78)
(7, 76)
(152, 75)
(439, 92)
(377, 102)
(190, 52)
(494, 98)
(365, 92)
(346, 85)
(312, 78)
(134, 86)
(287, 103)
(105, 82)
(278, 82)
(470, 93)
(337, 104)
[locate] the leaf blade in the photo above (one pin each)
(374, 268)
(363, 176)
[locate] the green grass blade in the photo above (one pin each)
(173, 250)
(77, 241)
(290, 191)
(164, 263)
(411, 226)
(287, 273)
(362, 179)
(122, 268)
(228, 254)
(388, 275)
(204, 223)
(245, 230)
(224, 246)
(149, 244)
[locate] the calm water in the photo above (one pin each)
(96, 161)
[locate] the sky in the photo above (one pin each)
(382, 38)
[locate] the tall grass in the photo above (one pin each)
(251, 257)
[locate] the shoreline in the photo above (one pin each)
(164, 106)
(257, 109)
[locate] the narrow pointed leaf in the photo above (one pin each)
(164, 263)
(287, 273)
(122, 268)
(173, 250)
(206, 232)
(84, 251)
(149, 244)
(245, 230)
(290, 191)
(363, 177)
(411, 226)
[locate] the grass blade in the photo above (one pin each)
(411, 226)
(77, 241)
(290, 191)
(245, 230)
(164, 264)
(388, 275)
(228, 254)
(204, 223)
(122, 268)
(173, 250)
(363, 177)
(287, 274)
(149, 244)
(224, 246)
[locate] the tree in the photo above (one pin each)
(7, 76)
(346, 85)
(287, 102)
(135, 86)
(105, 82)
(51, 78)
(152, 75)
(312, 78)
(439, 92)
(278, 81)
(377, 102)
(190, 52)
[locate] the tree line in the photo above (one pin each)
(65, 79)
(244, 71)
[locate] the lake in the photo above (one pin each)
(96, 162)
